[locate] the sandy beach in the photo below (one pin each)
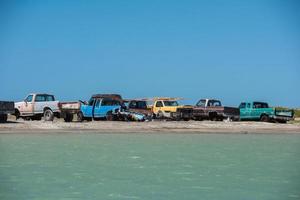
(58, 125)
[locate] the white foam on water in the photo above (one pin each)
(123, 196)
(135, 157)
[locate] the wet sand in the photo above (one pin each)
(58, 125)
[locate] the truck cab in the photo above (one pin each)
(36, 105)
(212, 109)
(100, 106)
(166, 107)
(260, 111)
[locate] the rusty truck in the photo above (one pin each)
(212, 109)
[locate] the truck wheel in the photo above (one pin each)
(264, 118)
(68, 117)
(48, 115)
(3, 118)
(109, 116)
(80, 116)
(160, 115)
(213, 116)
(17, 114)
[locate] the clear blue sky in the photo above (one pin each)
(231, 50)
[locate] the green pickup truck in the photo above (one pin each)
(260, 111)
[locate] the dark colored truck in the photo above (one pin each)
(260, 111)
(212, 109)
(6, 107)
(139, 106)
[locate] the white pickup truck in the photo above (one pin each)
(36, 106)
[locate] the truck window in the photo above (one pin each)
(115, 103)
(29, 98)
(40, 98)
(260, 105)
(91, 102)
(97, 103)
(201, 103)
(110, 102)
(214, 103)
(248, 105)
(132, 104)
(170, 103)
(242, 105)
(159, 104)
(50, 98)
(142, 104)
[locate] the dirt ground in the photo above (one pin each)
(58, 125)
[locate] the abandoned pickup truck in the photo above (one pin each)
(100, 106)
(169, 108)
(260, 111)
(139, 106)
(6, 107)
(212, 109)
(36, 106)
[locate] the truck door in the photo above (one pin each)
(28, 105)
(39, 103)
(98, 109)
(243, 111)
(87, 110)
(256, 110)
(157, 107)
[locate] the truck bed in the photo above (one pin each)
(218, 112)
(69, 106)
(7, 107)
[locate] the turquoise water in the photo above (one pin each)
(156, 166)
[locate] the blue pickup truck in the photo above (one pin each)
(260, 111)
(100, 106)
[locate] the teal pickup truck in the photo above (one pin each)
(260, 111)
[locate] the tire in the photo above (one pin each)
(68, 117)
(264, 118)
(160, 115)
(17, 114)
(109, 116)
(80, 116)
(3, 118)
(213, 116)
(48, 115)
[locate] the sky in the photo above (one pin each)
(230, 50)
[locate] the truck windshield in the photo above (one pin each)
(201, 103)
(171, 103)
(242, 105)
(214, 103)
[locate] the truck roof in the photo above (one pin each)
(254, 102)
(112, 96)
(210, 99)
(40, 94)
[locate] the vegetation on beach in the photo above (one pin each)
(297, 113)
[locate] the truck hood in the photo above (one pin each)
(18, 104)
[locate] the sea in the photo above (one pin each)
(167, 166)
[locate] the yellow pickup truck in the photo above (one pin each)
(166, 107)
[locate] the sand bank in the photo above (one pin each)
(59, 125)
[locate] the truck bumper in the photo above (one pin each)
(281, 118)
(181, 115)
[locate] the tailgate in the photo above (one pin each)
(7, 106)
(69, 105)
(231, 111)
(284, 112)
